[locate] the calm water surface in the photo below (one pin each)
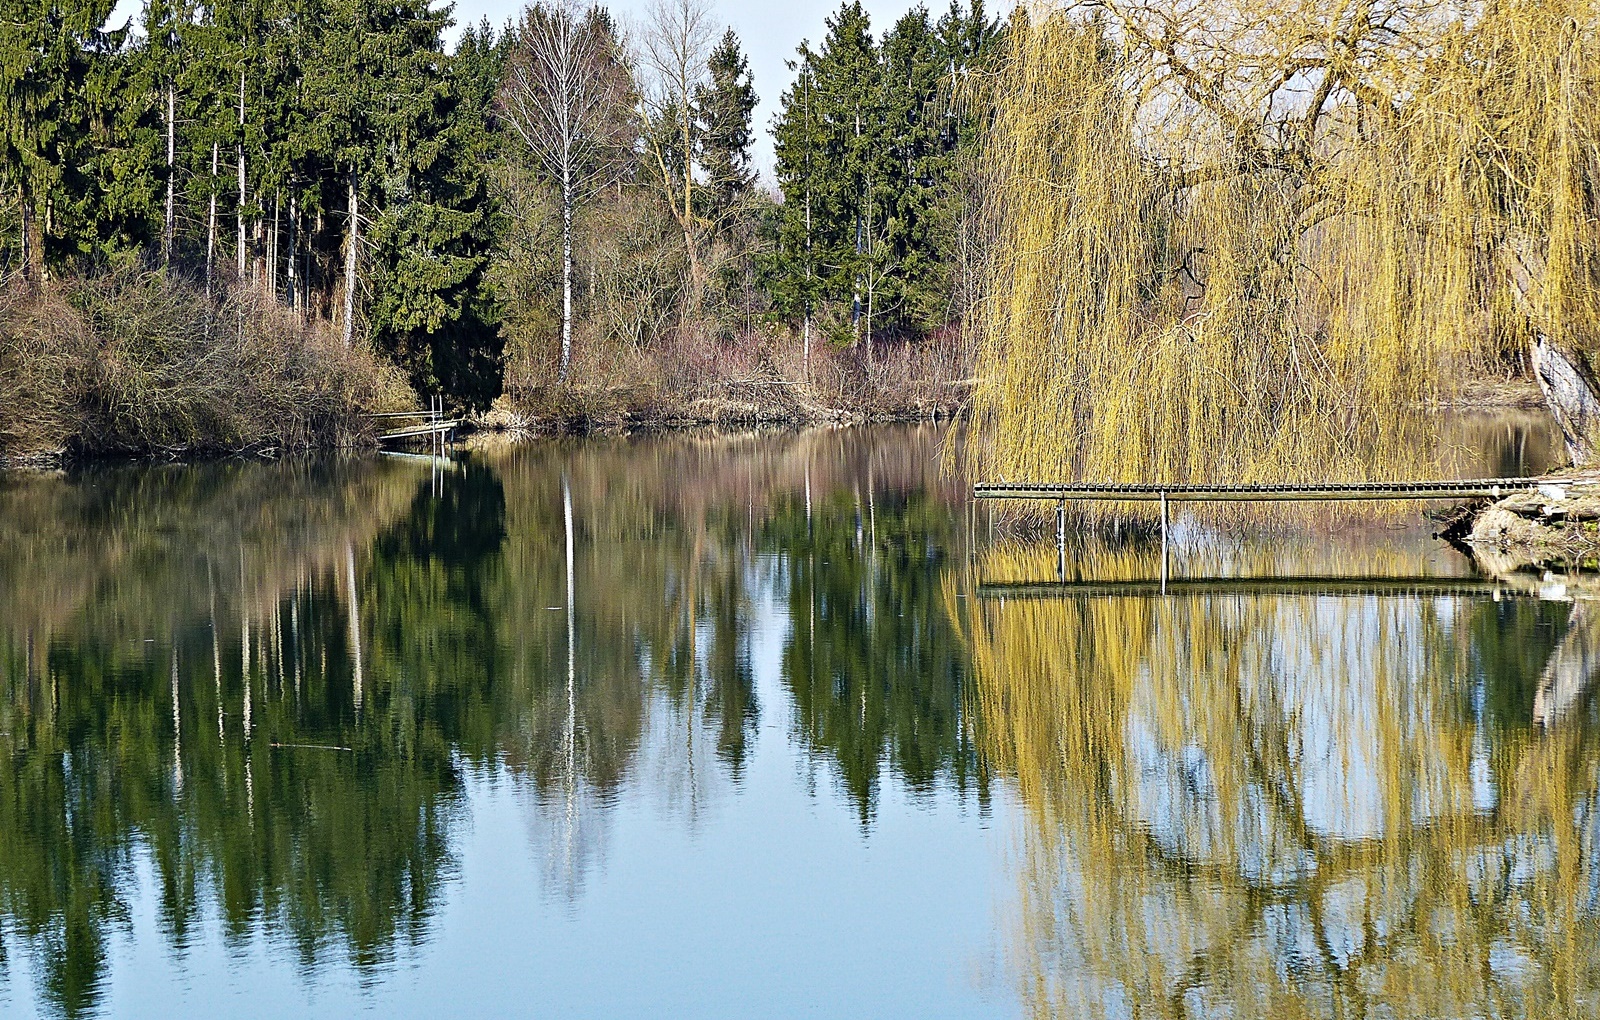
(769, 725)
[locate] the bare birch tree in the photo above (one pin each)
(674, 49)
(566, 95)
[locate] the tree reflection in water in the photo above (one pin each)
(268, 691)
(267, 685)
(1288, 805)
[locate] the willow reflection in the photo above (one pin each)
(1287, 805)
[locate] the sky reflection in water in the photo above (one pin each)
(304, 739)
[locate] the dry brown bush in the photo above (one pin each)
(137, 363)
(692, 376)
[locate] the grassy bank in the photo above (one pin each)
(138, 364)
(758, 378)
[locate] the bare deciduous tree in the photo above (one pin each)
(674, 49)
(567, 96)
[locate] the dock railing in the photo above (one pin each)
(431, 424)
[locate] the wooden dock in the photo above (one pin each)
(418, 431)
(1379, 586)
(431, 424)
(1061, 493)
(1464, 488)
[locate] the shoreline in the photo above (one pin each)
(579, 417)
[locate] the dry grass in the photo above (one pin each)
(762, 377)
(139, 364)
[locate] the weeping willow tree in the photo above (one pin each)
(1267, 238)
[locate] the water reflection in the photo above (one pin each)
(178, 680)
(275, 680)
(276, 694)
(1291, 805)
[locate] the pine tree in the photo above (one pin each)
(825, 134)
(723, 109)
(868, 142)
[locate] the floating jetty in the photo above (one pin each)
(1462, 488)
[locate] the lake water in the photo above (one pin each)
(771, 725)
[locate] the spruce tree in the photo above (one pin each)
(61, 75)
(791, 277)
(723, 109)
(868, 142)
(397, 138)
(825, 134)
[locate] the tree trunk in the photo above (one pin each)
(855, 298)
(872, 278)
(566, 274)
(294, 249)
(805, 343)
(169, 222)
(211, 220)
(806, 328)
(272, 245)
(32, 242)
(241, 180)
(1571, 392)
(353, 237)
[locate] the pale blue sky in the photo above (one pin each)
(770, 32)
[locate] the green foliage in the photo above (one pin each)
(868, 143)
(723, 107)
(276, 104)
(75, 142)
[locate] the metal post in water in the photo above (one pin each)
(1061, 540)
(1163, 543)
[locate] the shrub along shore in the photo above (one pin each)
(141, 365)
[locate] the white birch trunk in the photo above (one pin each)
(272, 246)
(294, 251)
(805, 329)
(566, 274)
(168, 224)
(352, 239)
(211, 220)
(241, 246)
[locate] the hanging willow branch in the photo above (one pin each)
(1256, 241)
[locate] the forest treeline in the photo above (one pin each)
(564, 205)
